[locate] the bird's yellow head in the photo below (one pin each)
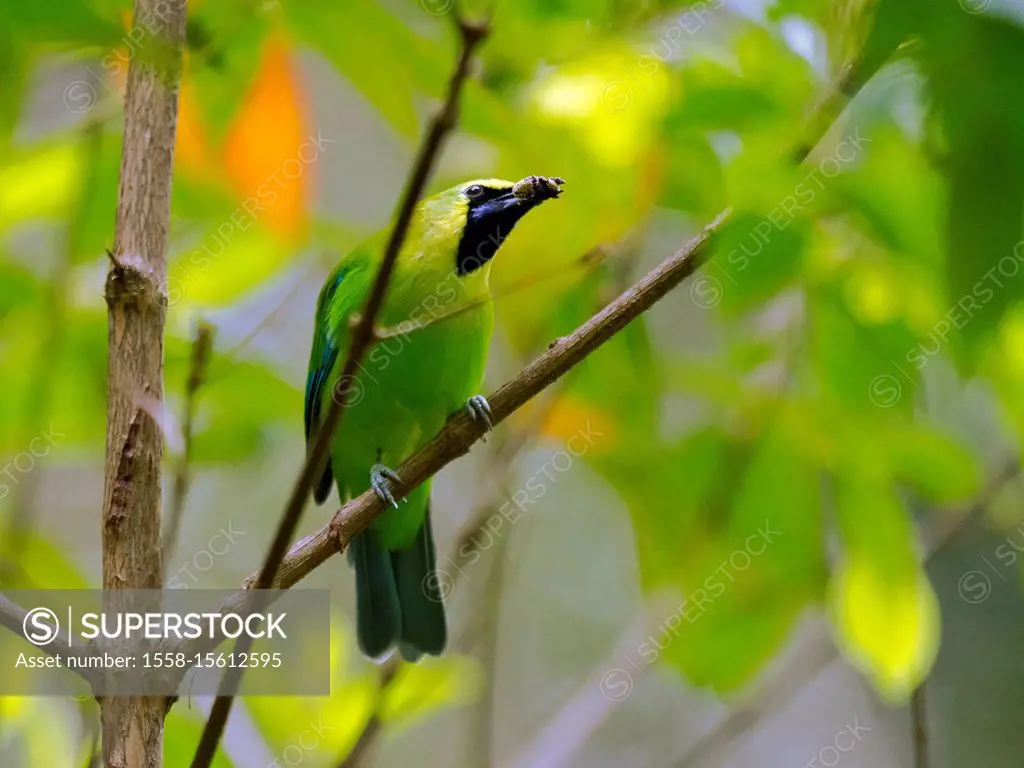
(484, 211)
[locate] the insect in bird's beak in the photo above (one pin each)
(535, 189)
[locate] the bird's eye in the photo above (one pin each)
(474, 190)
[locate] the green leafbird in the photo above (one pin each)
(438, 306)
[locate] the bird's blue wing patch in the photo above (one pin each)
(316, 380)
(322, 359)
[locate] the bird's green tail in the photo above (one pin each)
(398, 596)
(423, 626)
(377, 610)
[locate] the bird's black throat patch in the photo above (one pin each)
(492, 215)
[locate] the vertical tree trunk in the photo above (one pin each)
(136, 294)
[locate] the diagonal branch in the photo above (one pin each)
(362, 338)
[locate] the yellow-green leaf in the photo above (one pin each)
(883, 608)
(888, 628)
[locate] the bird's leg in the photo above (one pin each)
(480, 410)
(379, 475)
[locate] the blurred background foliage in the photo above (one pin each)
(847, 372)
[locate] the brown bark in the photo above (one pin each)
(136, 295)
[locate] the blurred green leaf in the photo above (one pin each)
(370, 48)
(19, 288)
(90, 230)
(39, 563)
(39, 181)
(781, 491)
(224, 264)
(715, 98)
(422, 688)
(861, 364)
(757, 256)
(66, 22)
(885, 612)
(935, 466)
(748, 516)
(29, 723)
(770, 568)
(688, 160)
(906, 218)
(226, 63)
(983, 127)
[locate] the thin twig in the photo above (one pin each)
(201, 345)
(919, 720)
(362, 338)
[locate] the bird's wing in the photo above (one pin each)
(342, 294)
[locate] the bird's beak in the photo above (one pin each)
(522, 197)
(490, 222)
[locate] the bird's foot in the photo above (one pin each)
(480, 410)
(379, 475)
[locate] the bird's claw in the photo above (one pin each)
(379, 475)
(480, 410)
